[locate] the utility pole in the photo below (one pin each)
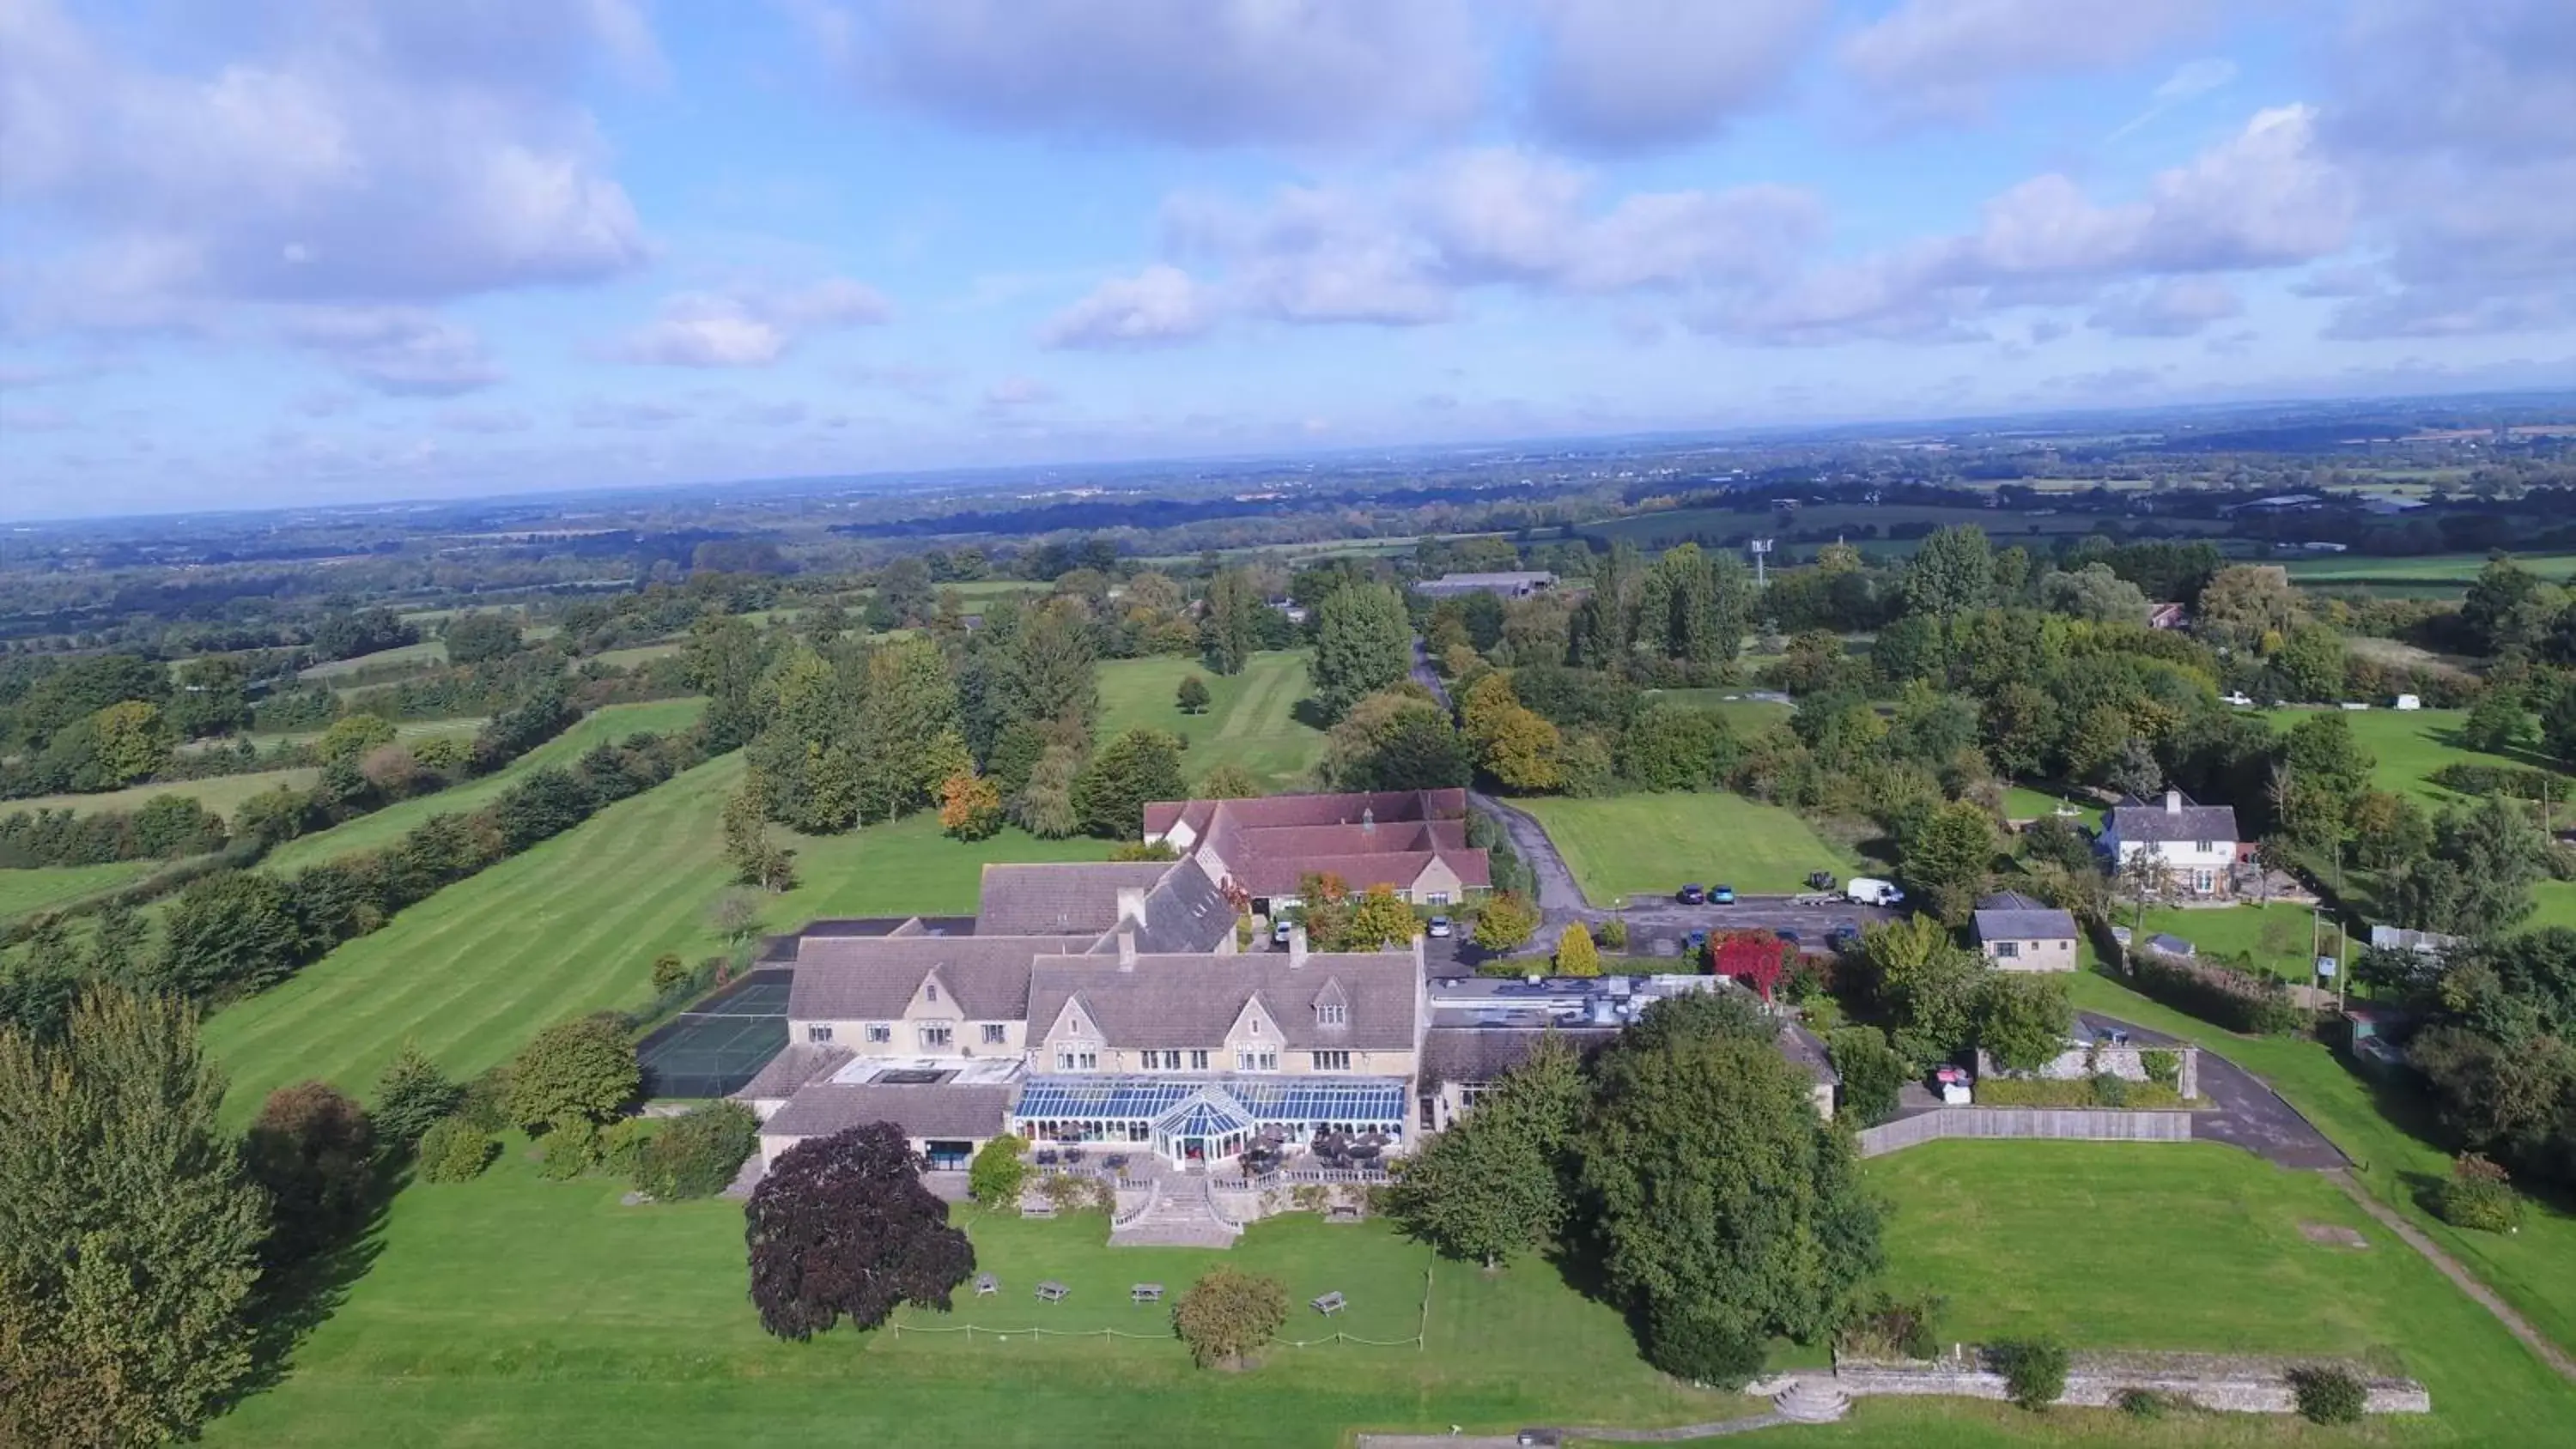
(1760, 548)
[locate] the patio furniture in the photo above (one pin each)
(1341, 1212)
(1072, 1155)
(986, 1285)
(1328, 1305)
(1146, 1293)
(1037, 1210)
(1115, 1162)
(1046, 1157)
(1052, 1291)
(1366, 1151)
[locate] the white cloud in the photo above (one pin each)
(1158, 305)
(1196, 72)
(1017, 392)
(633, 416)
(350, 151)
(2172, 307)
(1617, 75)
(748, 326)
(1946, 58)
(397, 350)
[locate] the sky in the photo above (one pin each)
(299, 251)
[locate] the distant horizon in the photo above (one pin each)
(935, 477)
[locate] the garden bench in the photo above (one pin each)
(1329, 1304)
(1052, 1291)
(986, 1285)
(1146, 1293)
(1037, 1210)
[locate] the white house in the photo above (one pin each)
(2196, 844)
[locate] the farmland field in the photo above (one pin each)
(1249, 720)
(222, 794)
(384, 827)
(572, 926)
(425, 653)
(1651, 844)
(2453, 570)
(25, 891)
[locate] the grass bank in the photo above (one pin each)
(1652, 844)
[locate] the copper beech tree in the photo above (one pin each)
(841, 1227)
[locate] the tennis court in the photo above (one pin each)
(722, 1042)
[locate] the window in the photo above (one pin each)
(1436, 898)
(2204, 881)
(879, 1031)
(1064, 1061)
(1198, 1061)
(1332, 1013)
(1332, 1061)
(2007, 950)
(1254, 1029)
(930, 991)
(1086, 1061)
(2205, 847)
(818, 1031)
(1256, 1061)
(939, 1035)
(995, 1034)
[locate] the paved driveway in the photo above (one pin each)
(2248, 1114)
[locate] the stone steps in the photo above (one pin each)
(1812, 1401)
(1180, 1216)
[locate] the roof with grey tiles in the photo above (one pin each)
(875, 978)
(1480, 1054)
(2012, 916)
(795, 1065)
(1194, 1000)
(941, 1110)
(1059, 900)
(2153, 821)
(1185, 912)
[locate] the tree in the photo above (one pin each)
(129, 1235)
(1675, 747)
(997, 1175)
(1946, 858)
(755, 861)
(1192, 696)
(313, 1149)
(2094, 592)
(1952, 573)
(1520, 749)
(1228, 781)
(211, 697)
(2498, 724)
(724, 660)
(232, 929)
(1500, 1181)
(1927, 982)
(841, 1226)
(1575, 953)
(970, 806)
(1396, 739)
(1362, 645)
(2248, 609)
(805, 762)
(2022, 1019)
(1505, 922)
(353, 735)
(580, 1070)
(1045, 807)
(698, 1153)
(475, 637)
(411, 1096)
(1378, 920)
(1130, 772)
(132, 742)
(1873, 1073)
(1231, 630)
(2478, 881)
(909, 727)
(1778, 1236)
(1756, 958)
(1054, 674)
(1228, 1314)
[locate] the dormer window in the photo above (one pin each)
(1331, 1013)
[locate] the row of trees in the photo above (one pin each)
(2498, 1045)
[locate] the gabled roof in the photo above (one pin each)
(874, 978)
(2154, 822)
(1184, 912)
(1194, 1000)
(1476, 1055)
(1267, 811)
(2012, 916)
(1060, 900)
(794, 1066)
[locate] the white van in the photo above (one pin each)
(1862, 890)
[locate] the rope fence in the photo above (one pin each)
(1420, 1340)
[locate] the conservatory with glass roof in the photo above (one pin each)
(1208, 1119)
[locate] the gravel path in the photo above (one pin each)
(2485, 1297)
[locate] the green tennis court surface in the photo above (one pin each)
(721, 1043)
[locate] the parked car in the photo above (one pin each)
(2239, 698)
(1863, 890)
(1695, 943)
(1279, 930)
(1692, 895)
(1789, 937)
(1439, 926)
(1721, 895)
(1821, 880)
(1842, 935)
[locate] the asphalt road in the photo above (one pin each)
(2247, 1113)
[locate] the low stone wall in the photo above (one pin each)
(1238, 1203)
(2242, 1386)
(2069, 1124)
(2128, 1063)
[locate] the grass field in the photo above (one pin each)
(1747, 717)
(634, 654)
(24, 891)
(222, 794)
(572, 926)
(2453, 569)
(461, 727)
(514, 1311)
(426, 652)
(384, 827)
(1249, 719)
(1653, 844)
(2025, 802)
(2276, 936)
(2388, 1135)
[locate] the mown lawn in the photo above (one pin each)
(515, 1311)
(1652, 845)
(1249, 720)
(2389, 1135)
(384, 827)
(223, 794)
(25, 891)
(2027, 802)
(572, 926)
(2276, 936)
(2178, 1246)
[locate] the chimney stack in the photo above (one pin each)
(2173, 802)
(1131, 904)
(1296, 947)
(1126, 950)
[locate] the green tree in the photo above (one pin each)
(230, 930)
(1500, 1181)
(1952, 573)
(352, 736)
(411, 1096)
(1675, 747)
(1873, 1073)
(724, 660)
(1130, 772)
(2094, 592)
(581, 1070)
(997, 1175)
(2478, 879)
(474, 637)
(1925, 981)
(2022, 1019)
(1575, 953)
(1362, 644)
(1505, 922)
(1395, 740)
(806, 758)
(1192, 695)
(1054, 672)
(909, 724)
(1231, 630)
(132, 742)
(1228, 1315)
(129, 1235)
(313, 1150)
(1378, 920)
(1946, 858)
(1045, 806)
(1228, 781)
(1777, 1237)
(2498, 724)
(2311, 663)
(211, 698)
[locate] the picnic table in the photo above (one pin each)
(1146, 1293)
(986, 1285)
(1329, 1304)
(1052, 1291)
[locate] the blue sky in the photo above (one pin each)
(317, 250)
